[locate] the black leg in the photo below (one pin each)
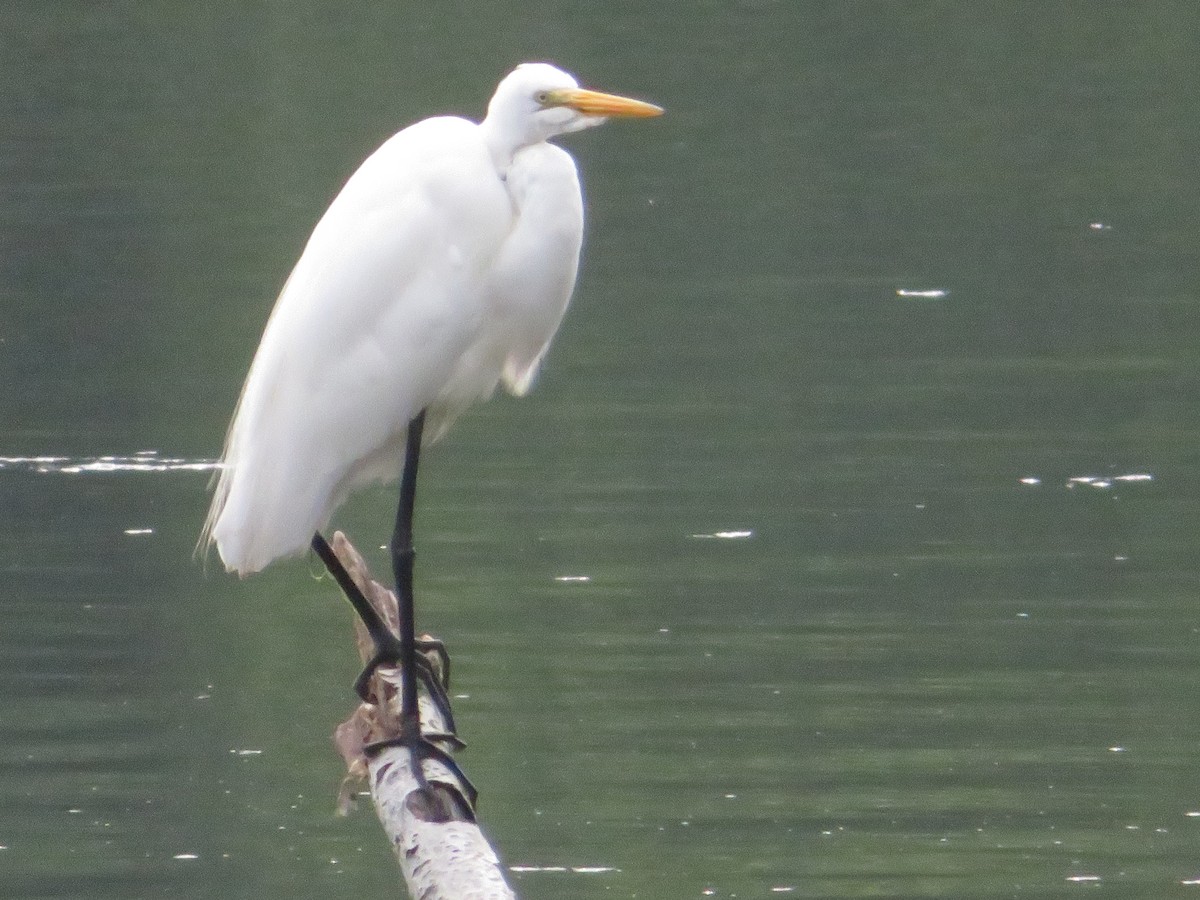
(387, 646)
(390, 649)
(403, 555)
(387, 652)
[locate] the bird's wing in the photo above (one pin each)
(385, 298)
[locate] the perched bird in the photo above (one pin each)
(441, 270)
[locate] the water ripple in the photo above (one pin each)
(143, 461)
(1093, 481)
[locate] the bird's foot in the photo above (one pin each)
(431, 667)
(423, 746)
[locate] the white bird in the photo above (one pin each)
(441, 270)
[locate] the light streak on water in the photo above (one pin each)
(144, 461)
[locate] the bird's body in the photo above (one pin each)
(386, 282)
(440, 270)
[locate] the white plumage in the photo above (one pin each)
(441, 269)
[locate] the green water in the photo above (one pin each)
(871, 430)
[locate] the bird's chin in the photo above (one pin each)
(582, 122)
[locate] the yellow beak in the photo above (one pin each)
(594, 103)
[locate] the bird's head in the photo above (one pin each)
(537, 101)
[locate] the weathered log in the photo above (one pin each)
(442, 851)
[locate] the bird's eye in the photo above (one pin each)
(542, 97)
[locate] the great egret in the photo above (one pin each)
(440, 270)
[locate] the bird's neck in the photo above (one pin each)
(504, 143)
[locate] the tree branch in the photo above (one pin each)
(442, 852)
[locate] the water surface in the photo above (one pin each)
(845, 549)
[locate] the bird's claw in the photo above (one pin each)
(435, 676)
(425, 746)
